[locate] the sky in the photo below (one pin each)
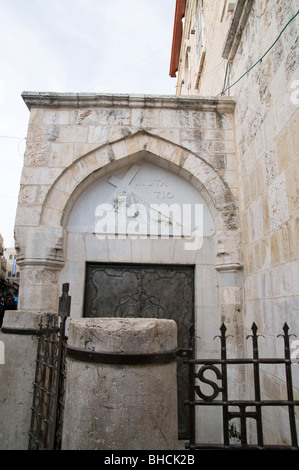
(100, 46)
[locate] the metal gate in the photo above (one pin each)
(239, 411)
(49, 384)
(146, 291)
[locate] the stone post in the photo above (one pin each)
(40, 259)
(121, 389)
(19, 336)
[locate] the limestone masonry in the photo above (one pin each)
(97, 164)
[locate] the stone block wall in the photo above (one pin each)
(76, 139)
(73, 139)
(267, 141)
(267, 129)
(202, 69)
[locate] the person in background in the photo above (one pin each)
(9, 304)
(2, 310)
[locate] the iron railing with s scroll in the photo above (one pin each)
(235, 409)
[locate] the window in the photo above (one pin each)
(199, 32)
(231, 5)
(228, 7)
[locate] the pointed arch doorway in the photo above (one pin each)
(139, 272)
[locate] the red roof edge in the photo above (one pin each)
(177, 36)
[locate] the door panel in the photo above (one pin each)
(148, 291)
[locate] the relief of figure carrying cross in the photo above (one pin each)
(133, 214)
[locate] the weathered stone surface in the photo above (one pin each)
(117, 407)
(16, 377)
(124, 335)
(76, 139)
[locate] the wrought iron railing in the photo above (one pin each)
(233, 409)
(49, 383)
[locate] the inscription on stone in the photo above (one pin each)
(151, 182)
(155, 183)
(144, 198)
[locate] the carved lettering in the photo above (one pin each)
(164, 195)
(149, 182)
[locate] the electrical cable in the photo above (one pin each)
(260, 60)
(129, 67)
(10, 137)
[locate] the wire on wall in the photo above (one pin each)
(257, 62)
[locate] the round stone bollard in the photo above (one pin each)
(121, 388)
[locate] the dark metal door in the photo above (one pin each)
(149, 291)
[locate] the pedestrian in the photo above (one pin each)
(9, 305)
(2, 310)
(16, 299)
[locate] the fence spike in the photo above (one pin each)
(223, 329)
(285, 328)
(254, 328)
(254, 335)
(285, 335)
(65, 287)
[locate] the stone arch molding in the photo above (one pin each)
(113, 156)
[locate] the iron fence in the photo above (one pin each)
(49, 383)
(240, 410)
(50, 379)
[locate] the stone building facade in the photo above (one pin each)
(13, 270)
(76, 140)
(249, 51)
(82, 151)
(119, 155)
(2, 260)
